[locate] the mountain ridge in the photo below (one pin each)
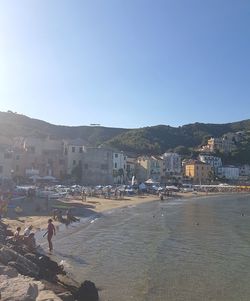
(145, 140)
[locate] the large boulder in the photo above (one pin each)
(66, 296)
(47, 295)
(19, 288)
(22, 264)
(8, 271)
(87, 292)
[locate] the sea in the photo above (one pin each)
(171, 250)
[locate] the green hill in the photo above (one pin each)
(13, 125)
(147, 140)
(158, 139)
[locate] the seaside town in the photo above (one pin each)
(61, 181)
(33, 160)
(124, 150)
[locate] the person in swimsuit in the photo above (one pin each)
(50, 232)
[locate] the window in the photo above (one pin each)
(80, 162)
(115, 165)
(1, 169)
(80, 149)
(104, 166)
(31, 149)
(17, 157)
(73, 149)
(74, 162)
(17, 168)
(116, 155)
(7, 156)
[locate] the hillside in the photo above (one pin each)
(147, 140)
(13, 125)
(158, 139)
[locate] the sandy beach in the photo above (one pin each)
(38, 218)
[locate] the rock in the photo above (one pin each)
(22, 264)
(47, 295)
(8, 271)
(19, 288)
(87, 292)
(67, 296)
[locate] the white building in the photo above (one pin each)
(214, 162)
(73, 152)
(119, 167)
(171, 163)
(229, 172)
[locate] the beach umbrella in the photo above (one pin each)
(150, 181)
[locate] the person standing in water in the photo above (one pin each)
(50, 232)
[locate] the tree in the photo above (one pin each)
(77, 173)
(121, 175)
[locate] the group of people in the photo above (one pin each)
(27, 238)
(58, 215)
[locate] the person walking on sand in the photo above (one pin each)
(50, 232)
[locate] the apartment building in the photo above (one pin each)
(214, 161)
(97, 166)
(229, 172)
(198, 172)
(149, 168)
(171, 163)
(119, 167)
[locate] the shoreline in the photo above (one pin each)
(65, 285)
(89, 208)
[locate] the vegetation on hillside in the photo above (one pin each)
(241, 155)
(158, 139)
(148, 140)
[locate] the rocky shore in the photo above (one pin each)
(26, 276)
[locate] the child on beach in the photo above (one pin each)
(17, 237)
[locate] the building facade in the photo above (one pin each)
(213, 161)
(119, 167)
(172, 164)
(73, 151)
(229, 172)
(97, 166)
(198, 172)
(149, 168)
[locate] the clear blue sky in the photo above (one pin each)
(126, 63)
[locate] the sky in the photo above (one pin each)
(126, 63)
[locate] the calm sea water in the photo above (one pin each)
(194, 249)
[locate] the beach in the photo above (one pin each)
(30, 215)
